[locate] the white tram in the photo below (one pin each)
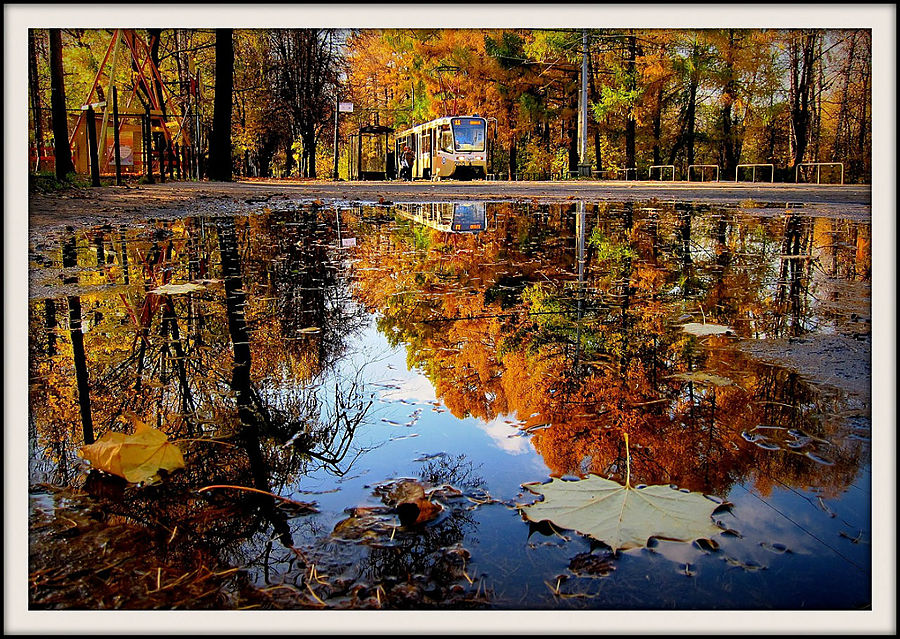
(449, 147)
(448, 217)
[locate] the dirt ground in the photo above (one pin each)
(87, 206)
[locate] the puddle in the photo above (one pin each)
(311, 356)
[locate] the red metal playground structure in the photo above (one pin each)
(141, 117)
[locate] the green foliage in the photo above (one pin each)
(46, 182)
(508, 49)
(609, 250)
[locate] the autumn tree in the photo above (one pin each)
(802, 57)
(302, 75)
(63, 152)
(220, 166)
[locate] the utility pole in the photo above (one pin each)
(337, 109)
(584, 167)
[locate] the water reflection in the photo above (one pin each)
(448, 217)
(594, 349)
(563, 320)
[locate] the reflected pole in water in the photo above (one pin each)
(337, 216)
(123, 260)
(50, 322)
(580, 222)
(81, 373)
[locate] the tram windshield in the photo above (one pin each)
(468, 134)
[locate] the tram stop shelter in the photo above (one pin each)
(371, 157)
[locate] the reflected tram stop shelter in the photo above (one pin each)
(371, 157)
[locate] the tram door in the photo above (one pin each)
(424, 154)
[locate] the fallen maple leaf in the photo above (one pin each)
(138, 457)
(620, 516)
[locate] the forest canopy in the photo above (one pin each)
(656, 97)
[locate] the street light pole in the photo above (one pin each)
(337, 109)
(584, 167)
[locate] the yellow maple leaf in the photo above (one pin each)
(138, 457)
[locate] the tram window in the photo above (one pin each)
(446, 139)
(469, 134)
(426, 143)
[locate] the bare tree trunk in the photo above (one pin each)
(842, 132)
(729, 144)
(691, 116)
(35, 90)
(657, 128)
(155, 35)
(630, 124)
(220, 140)
(864, 139)
(62, 151)
(802, 59)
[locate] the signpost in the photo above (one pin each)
(342, 107)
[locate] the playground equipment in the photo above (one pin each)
(134, 129)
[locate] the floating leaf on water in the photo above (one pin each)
(429, 457)
(819, 460)
(621, 516)
(362, 525)
(138, 457)
(704, 378)
(408, 497)
(702, 330)
(765, 445)
(176, 289)
(777, 548)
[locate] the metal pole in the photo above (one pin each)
(91, 130)
(148, 146)
(160, 144)
(337, 108)
(584, 168)
(116, 150)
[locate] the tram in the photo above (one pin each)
(448, 217)
(448, 147)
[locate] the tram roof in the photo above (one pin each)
(441, 120)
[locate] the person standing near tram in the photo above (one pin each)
(407, 159)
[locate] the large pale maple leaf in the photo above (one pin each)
(620, 516)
